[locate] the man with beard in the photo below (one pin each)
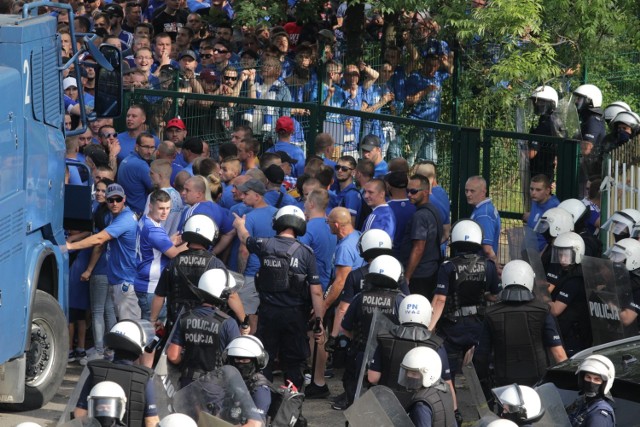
(134, 173)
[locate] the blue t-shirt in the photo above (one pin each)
(127, 144)
(133, 175)
(347, 254)
(227, 201)
(537, 210)
(381, 169)
(489, 219)
(351, 199)
(258, 224)
(381, 218)
(152, 243)
(403, 210)
(272, 197)
(294, 152)
(221, 216)
(121, 249)
(428, 108)
(323, 243)
(440, 199)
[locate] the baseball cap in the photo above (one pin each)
(176, 122)
(208, 75)
(190, 53)
(286, 157)
(284, 124)
(370, 142)
(114, 190)
(114, 10)
(69, 82)
(397, 179)
(274, 174)
(253, 185)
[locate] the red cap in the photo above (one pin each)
(176, 123)
(284, 124)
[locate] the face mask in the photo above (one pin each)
(539, 108)
(618, 237)
(590, 389)
(623, 137)
(581, 103)
(246, 369)
(106, 421)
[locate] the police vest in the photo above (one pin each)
(517, 336)
(186, 270)
(393, 346)
(574, 323)
(440, 400)
(470, 283)
(584, 411)
(201, 332)
(380, 299)
(132, 378)
(280, 271)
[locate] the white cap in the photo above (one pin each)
(68, 82)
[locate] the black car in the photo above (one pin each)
(624, 354)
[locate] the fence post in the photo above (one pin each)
(567, 174)
(465, 163)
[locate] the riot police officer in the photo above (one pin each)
(202, 333)
(432, 402)
(177, 420)
(568, 297)
(414, 316)
(517, 330)
(247, 354)
(588, 101)
(613, 109)
(127, 339)
(627, 252)
(107, 403)
(551, 224)
(580, 214)
(518, 403)
(381, 294)
(464, 284)
(288, 284)
(624, 126)
(542, 155)
(623, 224)
(593, 408)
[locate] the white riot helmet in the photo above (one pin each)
(415, 308)
(520, 404)
(589, 96)
(554, 222)
(625, 251)
(628, 118)
(28, 424)
(613, 109)
(200, 229)
(622, 223)
(215, 286)
(518, 272)
(420, 367)
(568, 249)
(177, 420)
(290, 217)
(599, 365)
(545, 100)
(249, 347)
(502, 423)
(466, 236)
(373, 243)
(384, 272)
(129, 336)
(107, 399)
(576, 208)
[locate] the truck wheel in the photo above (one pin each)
(47, 356)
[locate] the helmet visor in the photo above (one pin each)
(110, 407)
(542, 226)
(410, 379)
(509, 398)
(563, 256)
(618, 222)
(616, 254)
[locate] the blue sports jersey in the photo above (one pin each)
(323, 243)
(381, 218)
(151, 243)
(133, 175)
(221, 216)
(258, 224)
(486, 214)
(121, 249)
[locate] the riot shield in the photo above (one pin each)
(523, 117)
(569, 115)
(541, 286)
(377, 407)
(477, 395)
(555, 414)
(166, 379)
(83, 422)
(73, 399)
(221, 393)
(515, 238)
(379, 324)
(608, 289)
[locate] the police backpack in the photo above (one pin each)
(286, 407)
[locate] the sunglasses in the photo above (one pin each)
(220, 51)
(232, 78)
(343, 168)
(109, 135)
(115, 200)
(206, 56)
(414, 191)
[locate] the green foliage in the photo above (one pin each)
(256, 11)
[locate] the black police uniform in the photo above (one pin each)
(574, 323)
(594, 412)
(179, 275)
(439, 399)
(464, 280)
(544, 160)
(284, 308)
(394, 345)
(593, 130)
(518, 329)
(355, 283)
(134, 379)
(357, 320)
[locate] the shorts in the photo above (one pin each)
(76, 314)
(145, 300)
(125, 301)
(249, 295)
